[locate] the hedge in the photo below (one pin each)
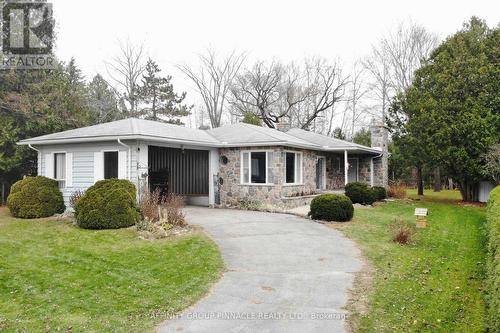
(34, 197)
(331, 207)
(379, 192)
(360, 192)
(108, 204)
(493, 261)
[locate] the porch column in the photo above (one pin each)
(346, 167)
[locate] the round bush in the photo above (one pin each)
(360, 193)
(34, 197)
(108, 204)
(331, 207)
(379, 192)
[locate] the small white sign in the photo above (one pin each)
(420, 211)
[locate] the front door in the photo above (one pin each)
(320, 173)
(353, 170)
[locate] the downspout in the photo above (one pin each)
(29, 145)
(39, 156)
(129, 171)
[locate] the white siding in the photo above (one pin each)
(484, 190)
(69, 169)
(83, 158)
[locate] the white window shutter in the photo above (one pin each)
(122, 164)
(98, 166)
(49, 165)
(69, 169)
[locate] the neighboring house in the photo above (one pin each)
(222, 166)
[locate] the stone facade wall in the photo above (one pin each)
(364, 169)
(278, 194)
(232, 192)
(334, 171)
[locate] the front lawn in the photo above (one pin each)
(433, 286)
(57, 277)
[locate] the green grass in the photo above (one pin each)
(432, 286)
(443, 196)
(57, 277)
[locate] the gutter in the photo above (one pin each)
(31, 147)
(199, 143)
(129, 171)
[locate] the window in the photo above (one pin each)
(255, 167)
(60, 169)
(293, 168)
(110, 164)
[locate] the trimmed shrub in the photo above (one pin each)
(34, 197)
(493, 261)
(360, 192)
(331, 207)
(108, 204)
(379, 192)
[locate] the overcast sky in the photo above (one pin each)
(174, 31)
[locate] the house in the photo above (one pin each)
(221, 166)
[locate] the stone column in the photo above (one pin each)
(379, 138)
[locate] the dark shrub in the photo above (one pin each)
(34, 197)
(108, 204)
(379, 192)
(331, 207)
(360, 193)
(493, 261)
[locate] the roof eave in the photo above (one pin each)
(114, 138)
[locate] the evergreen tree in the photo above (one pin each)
(450, 116)
(158, 101)
(102, 100)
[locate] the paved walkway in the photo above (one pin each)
(283, 272)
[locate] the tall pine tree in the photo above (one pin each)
(158, 101)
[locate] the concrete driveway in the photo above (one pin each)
(284, 274)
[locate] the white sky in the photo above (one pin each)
(174, 31)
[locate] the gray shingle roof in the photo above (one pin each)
(130, 128)
(326, 142)
(236, 135)
(242, 134)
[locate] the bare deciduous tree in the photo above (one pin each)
(356, 92)
(125, 71)
(395, 58)
(300, 94)
(213, 80)
(324, 86)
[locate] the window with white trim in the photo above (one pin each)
(60, 169)
(293, 168)
(255, 168)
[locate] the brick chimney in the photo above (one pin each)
(379, 138)
(283, 125)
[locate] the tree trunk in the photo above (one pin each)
(420, 181)
(469, 190)
(437, 180)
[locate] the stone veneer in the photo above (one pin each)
(278, 194)
(232, 192)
